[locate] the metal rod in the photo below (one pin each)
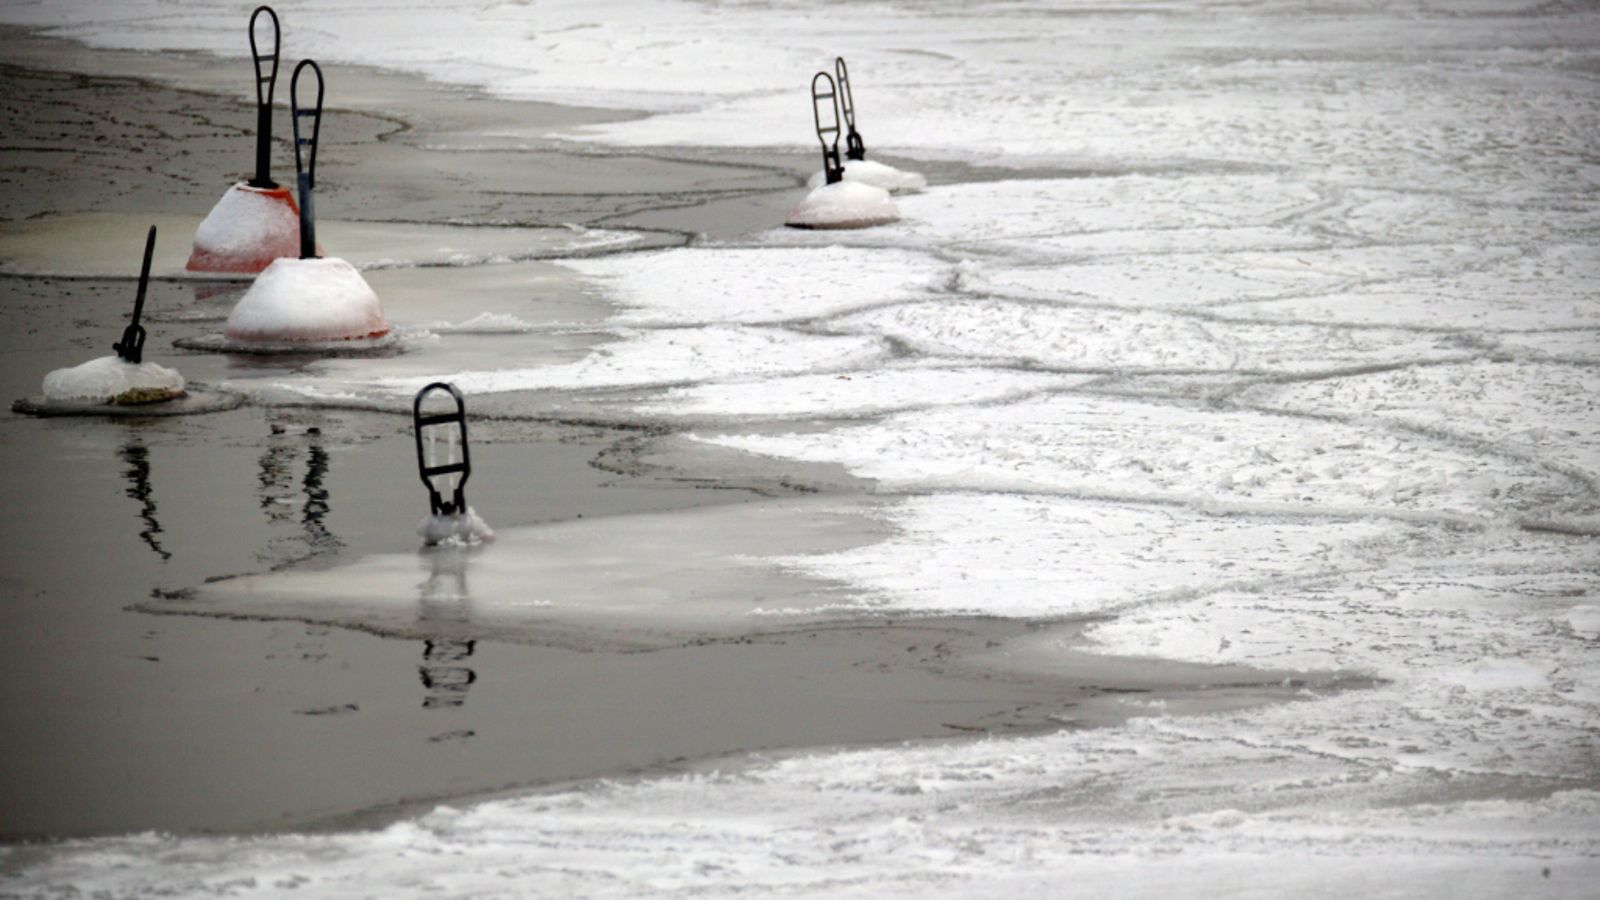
(131, 347)
(855, 147)
(263, 177)
(305, 163)
(831, 167)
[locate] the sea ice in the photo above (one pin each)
(307, 300)
(757, 285)
(845, 204)
(113, 380)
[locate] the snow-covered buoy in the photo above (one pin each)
(306, 303)
(256, 221)
(837, 203)
(857, 167)
(445, 464)
(124, 382)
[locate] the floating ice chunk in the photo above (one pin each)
(247, 229)
(845, 204)
(110, 379)
(482, 323)
(866, 171)
(456, 528)
(308, 300)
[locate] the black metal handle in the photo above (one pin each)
(855, 147)
(267, 81)
(305, 161)
(833, 169)
(458, 500)
(131, 347)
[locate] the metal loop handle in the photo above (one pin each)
(855, 147)
(268, 81)
(305, 155)
(131, 347)
(458, 500)
(271, 78)
(831, 166)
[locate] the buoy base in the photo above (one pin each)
(382, 345)
(247, 229)
(190, 403)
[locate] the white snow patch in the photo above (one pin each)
(1049, 557)
(1165, 452)
(857, 393)
(760, 285)
(668, 357)
(111, 379)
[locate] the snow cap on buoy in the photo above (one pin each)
(844, 204)
(247, 229)
(877, 174)
(307, 300)
(112, 380)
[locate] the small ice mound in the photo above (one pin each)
(247, 229)
(307, 300)
(895, 181)
(112, 380)
(844, 204)
(456, 528)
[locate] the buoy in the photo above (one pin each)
(856, 166)
(256, 221)
(444, 464)
(307, 302)
(123, 382)
(837, 203)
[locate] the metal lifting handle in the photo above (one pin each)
(131, 347)
(855, 147)
(458, 501)
(305, 164)
(833, 169)
(264, 85)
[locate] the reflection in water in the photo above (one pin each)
(445, 598)
(137, 456)
(281, 500)
(274, 482)
(316, 506)
(446, 684)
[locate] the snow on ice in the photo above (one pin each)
(1262, 334)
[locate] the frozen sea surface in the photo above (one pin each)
(1272, 344)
